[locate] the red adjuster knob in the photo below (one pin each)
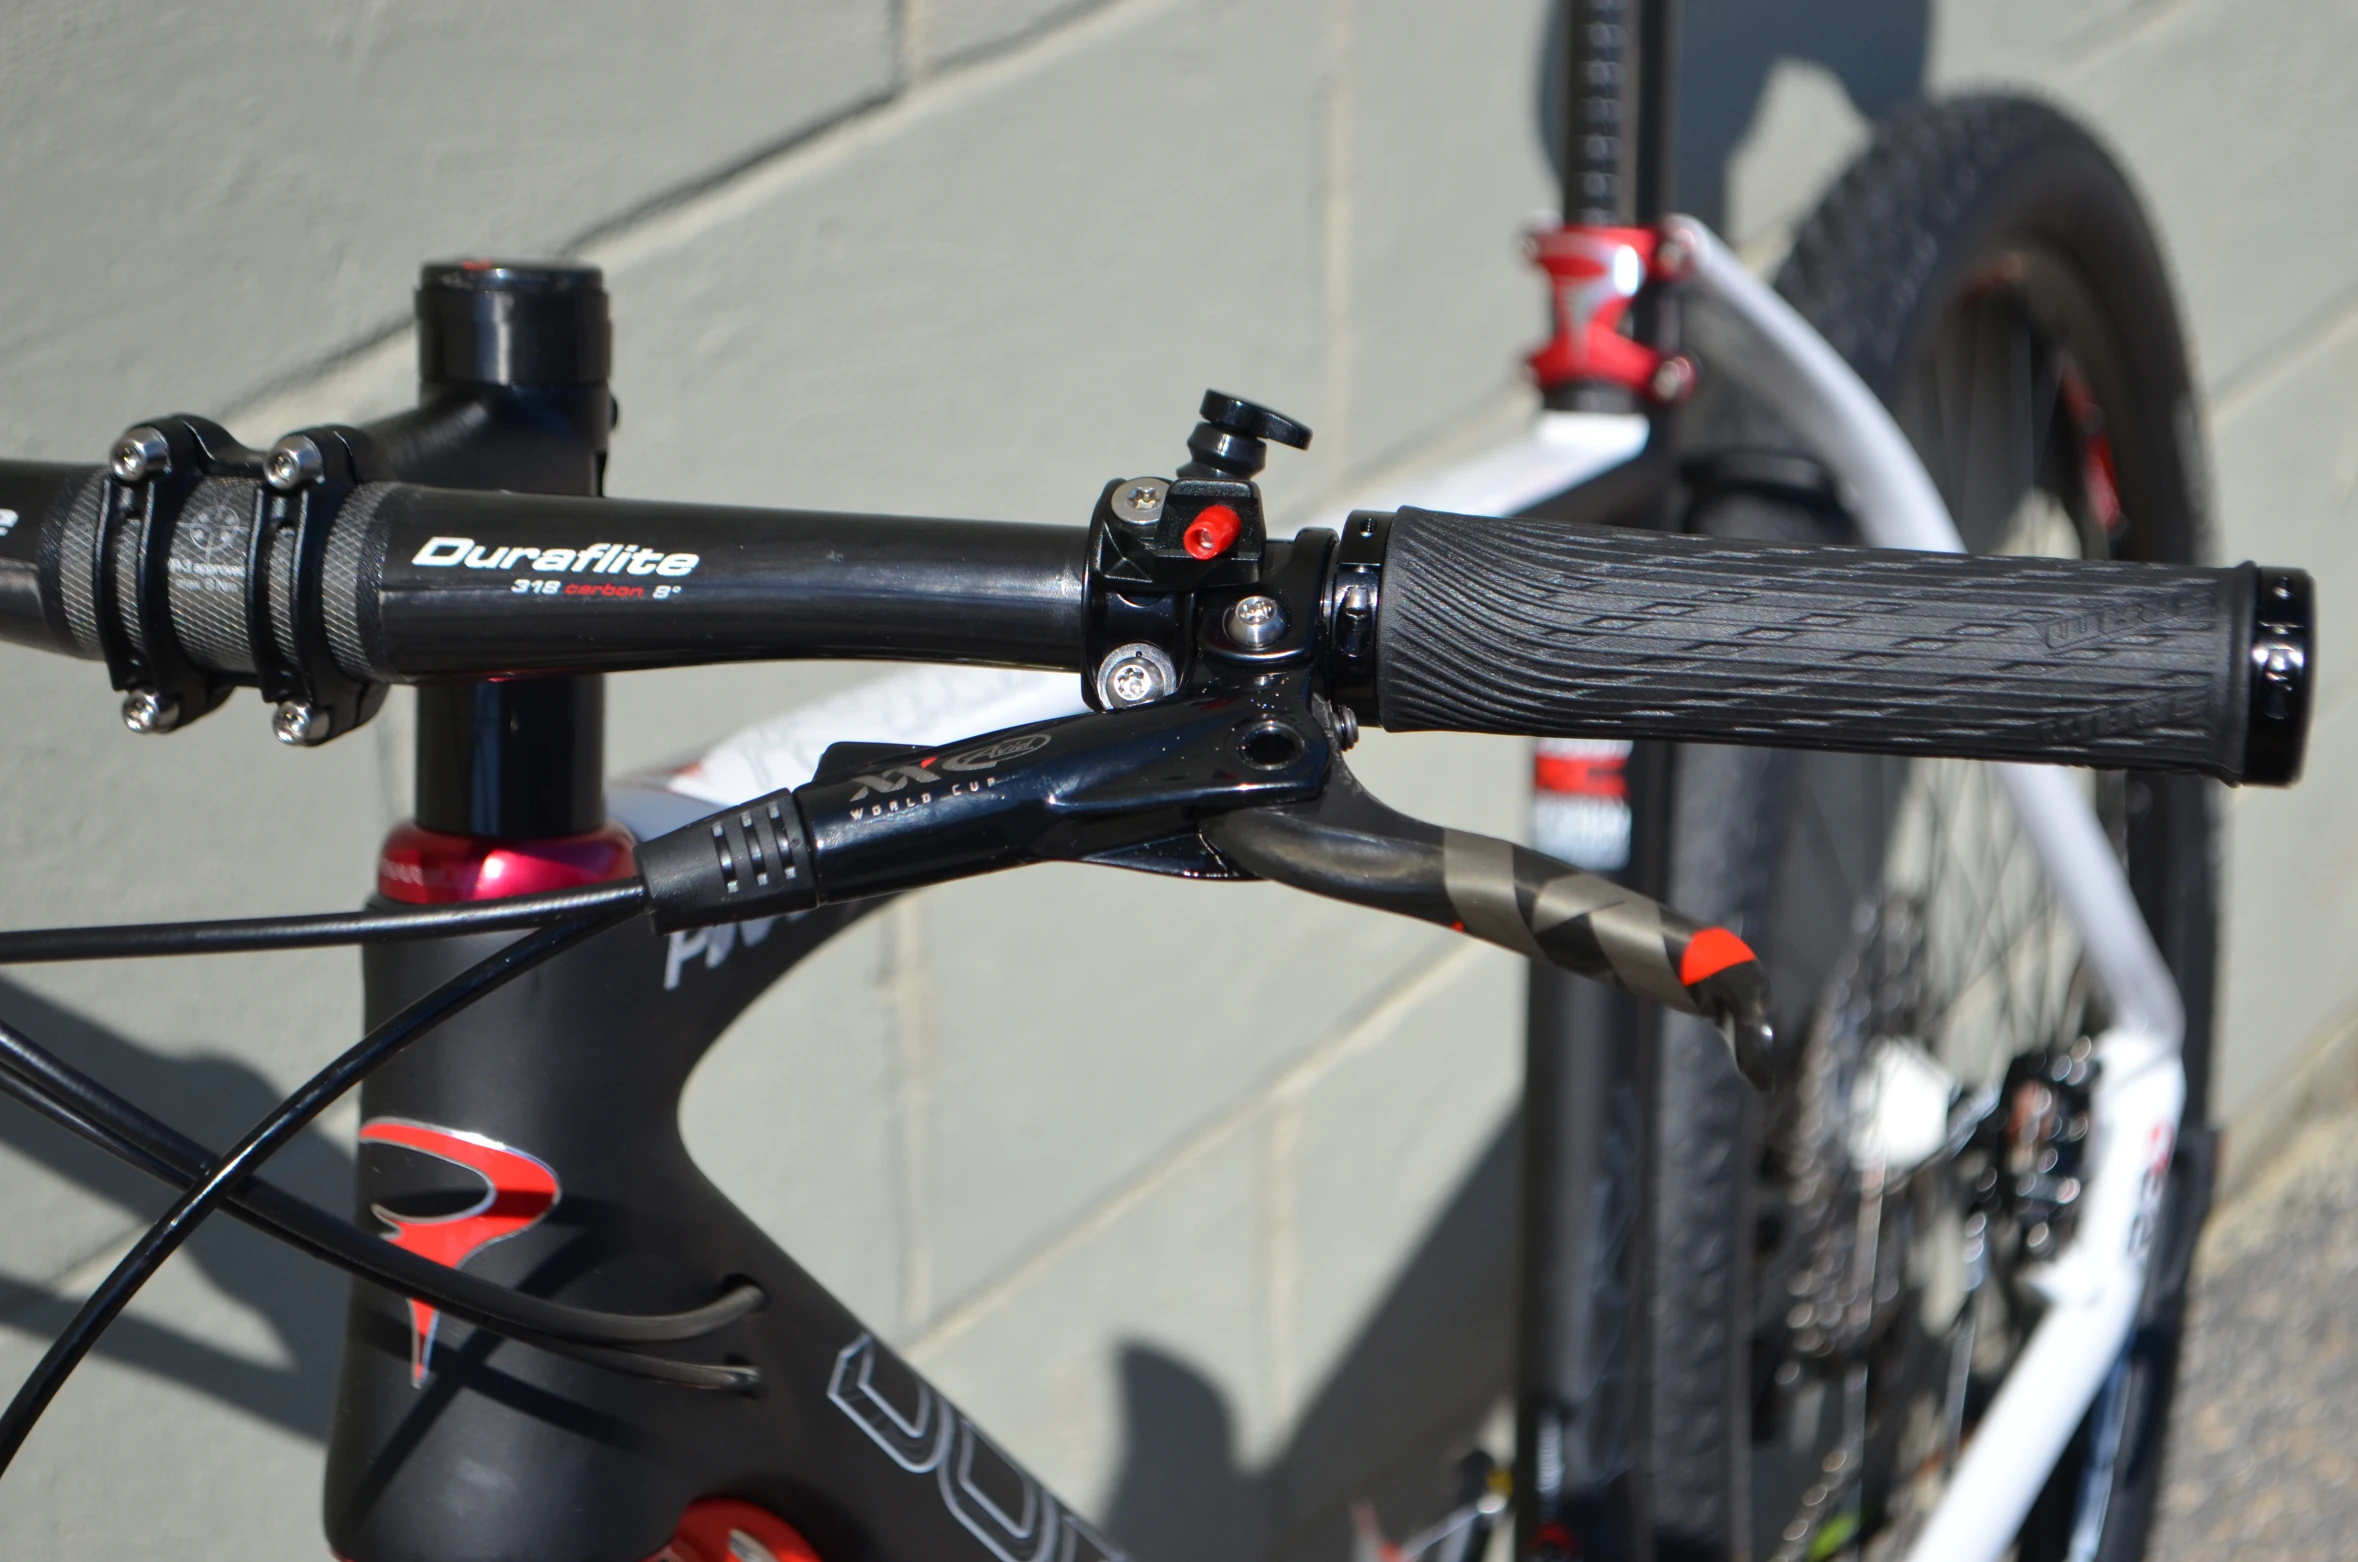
(1213, 532)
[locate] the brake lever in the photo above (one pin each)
(1241, 780)
(1346, 845)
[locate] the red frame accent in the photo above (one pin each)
(1593, 275)
(2098, 475)
(1594, 775)
(422, 867)
(519, 1191)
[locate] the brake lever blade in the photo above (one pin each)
(1346, 845)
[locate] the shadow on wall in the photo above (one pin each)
(1406, 1398)
(213, 1100)
(1877, 50)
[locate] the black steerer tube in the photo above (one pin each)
(1563, 628)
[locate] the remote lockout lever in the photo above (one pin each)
(1229, 442)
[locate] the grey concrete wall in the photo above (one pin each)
(1213, 1269)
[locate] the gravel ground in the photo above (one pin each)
(2264, 1452)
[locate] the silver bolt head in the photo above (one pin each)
(144, 710)
(295, 462)
(140, 453)
(744, 1548)
(297, 724)
(1140, 500)
(1672, 258)
(1256, 622)
(1674, 379)
(1135, 674)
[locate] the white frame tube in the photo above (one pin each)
(1753, 336)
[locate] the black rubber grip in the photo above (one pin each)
(1556, 628)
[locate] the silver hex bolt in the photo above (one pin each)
(1673, 380)
(1140, 501)
(141, 453)
(295, 462)
(298, 725)
(744, 1548)
(144, 710)
(1255, 622)
(1135, 674)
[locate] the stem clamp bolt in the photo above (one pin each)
(298, 725)
(141, 453)
(295, 462)
(144, 710)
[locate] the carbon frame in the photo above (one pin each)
(483, 1449)
(539, 1133)
(499, 1450)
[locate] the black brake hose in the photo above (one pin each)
(71, 1099)
(34, 946)
(231, 1171)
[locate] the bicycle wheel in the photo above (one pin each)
(1833, 1308)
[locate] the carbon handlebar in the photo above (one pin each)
(1427, 621)
(421, 583)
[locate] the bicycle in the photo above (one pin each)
(1980, 224)
(521, 1125)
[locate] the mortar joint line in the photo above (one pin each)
(1345, 1041)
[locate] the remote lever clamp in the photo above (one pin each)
(1154, 542)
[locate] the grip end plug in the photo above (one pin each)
(2282, 648)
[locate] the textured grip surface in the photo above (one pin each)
(1557, 628)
